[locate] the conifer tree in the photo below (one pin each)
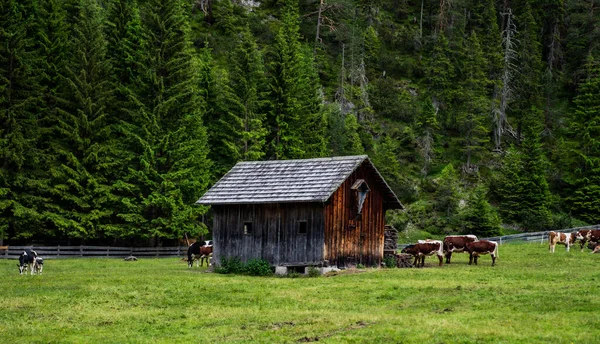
(296, 121)
(585, 127)
(525, 195)
(447, 194)
(479, 217)
(81, 176)
(20, 93)
(171, 171)
(473, 114)
(528, 93)
(440, 74)
(248, 85)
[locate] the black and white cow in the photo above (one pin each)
(38, 265)
(26, 260)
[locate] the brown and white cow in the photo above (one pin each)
(585, 235)
(477, 248)
(421, 250)
(456, 243)
(567, 239)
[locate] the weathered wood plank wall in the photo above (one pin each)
(347, 239)
(275, 233)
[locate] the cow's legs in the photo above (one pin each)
(415, 261)
(470, 258)
(568, 247)
(448, 257)
(441, 258)
(582, 243)
(493, 259)
(422, 260)
(476, 259)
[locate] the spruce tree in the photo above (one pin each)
(440, 73)
(296, 120)
(248, 85)
(20, 92)
(172, 169)
(524, 193)
(479, 217)
(473, 114)
(82, 204)
(585, 201)
(528, 92)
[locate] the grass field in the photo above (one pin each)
(531, 296)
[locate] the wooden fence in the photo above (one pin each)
(93, 251)
(540, 237)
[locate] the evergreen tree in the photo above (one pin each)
(440, 74)
(20, 93)
(86, 159)
(172, 169)
(447, 194)
(479, 217)
(296, 121)
(473, 115)
(248, 85)
(585, 201)
(528, 92)
(524, 193)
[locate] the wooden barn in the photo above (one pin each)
(328, 211)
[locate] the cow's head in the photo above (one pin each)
(579, 235)
(408, 249)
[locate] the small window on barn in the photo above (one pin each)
(302, 227)
(247, 228)
(360, 189)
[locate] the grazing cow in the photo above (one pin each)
(421, 250)
(585, 235)
(38, 265)
(26, 260)
(456, 243)
(198, 253)
(594, 246)
(567, 239)
(477, 248)
(206, 253)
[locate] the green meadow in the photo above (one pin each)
(530, 296)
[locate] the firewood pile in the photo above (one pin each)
(404, 260)
(390, 239)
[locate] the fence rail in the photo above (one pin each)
(533, 236)
(11, 252)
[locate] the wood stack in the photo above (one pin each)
(404, 260)
(390, 243)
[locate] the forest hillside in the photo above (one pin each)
(117, 115)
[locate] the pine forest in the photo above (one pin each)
(117, 115)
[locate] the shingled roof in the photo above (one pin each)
(286, 181)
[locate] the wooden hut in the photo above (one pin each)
(325, 211)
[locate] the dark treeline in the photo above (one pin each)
(117, 115)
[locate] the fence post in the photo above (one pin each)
(108, 251)
(542, 242)
(58, 251)
(81, 250)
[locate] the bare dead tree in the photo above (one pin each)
(324, 20)
(509, 43)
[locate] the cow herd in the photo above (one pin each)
(584, 236)
(201, 252)
(452, 244)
